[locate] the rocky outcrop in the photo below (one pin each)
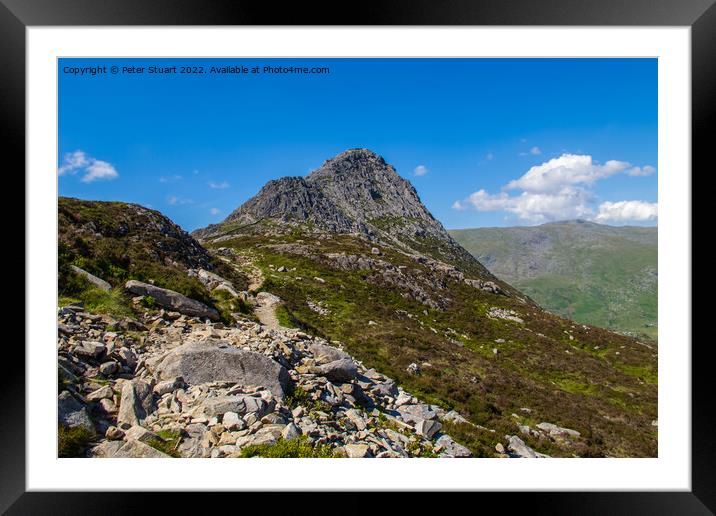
(172, 300)
(212, 361)
(213, 281)
(97, 282)
(220, 389)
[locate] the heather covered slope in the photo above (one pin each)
(591, 273)
(117, 242)
(367, 265)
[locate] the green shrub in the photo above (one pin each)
(73, 442)
(149, 302)
(297, 397)
(294, 449)
(114, 302)
(167, 442)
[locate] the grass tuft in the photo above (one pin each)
(298, 448)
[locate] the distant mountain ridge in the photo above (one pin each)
(593, 273)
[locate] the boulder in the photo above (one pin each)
(138, 450)
(555, 430)
(172, 300)
(232, 421)
(168, 386)
(324, 353)
(101, 393)
(454, 417)
(291, 431)
(343, 370)
(134, 404)
(266, 298)
(427, 428)
(97, 282)
(416, 413)
(211, 361)
(106, 449)
(518, 448)
(449, 448)
(139, 433)
(357, 451)
(239, 404)
(226, 287)
(71, 413)
(388, 388)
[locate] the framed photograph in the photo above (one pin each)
(445, 247)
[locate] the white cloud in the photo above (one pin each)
(92, 169)
(535, 151)
(99, 170)
(215, 211)
(641, 171)
(218, 186)
(625, 211)
(420, 170)
(170, 179)
(533, 207)
(560, 189)
(568, 169)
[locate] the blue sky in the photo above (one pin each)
(486, 142)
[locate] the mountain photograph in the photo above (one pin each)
(257, 286)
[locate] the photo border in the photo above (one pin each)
(700, 15)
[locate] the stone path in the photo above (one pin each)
(266, 310)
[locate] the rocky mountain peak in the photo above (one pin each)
(355, 192)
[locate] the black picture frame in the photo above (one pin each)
(700, 15)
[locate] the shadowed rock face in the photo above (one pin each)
(356, 192)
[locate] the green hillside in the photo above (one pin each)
(594, 274)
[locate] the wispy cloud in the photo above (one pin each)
(642, 171)
(214, 211)
(175, 200)
(91, 169)
(420, 170)
(218, 185)
(170, 179)
(489, 156)
(534, 151)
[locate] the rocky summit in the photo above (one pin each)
(328, 316)
(356, 192)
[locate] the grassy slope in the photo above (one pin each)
(598, 383)
(117, 242)
(593, 274)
